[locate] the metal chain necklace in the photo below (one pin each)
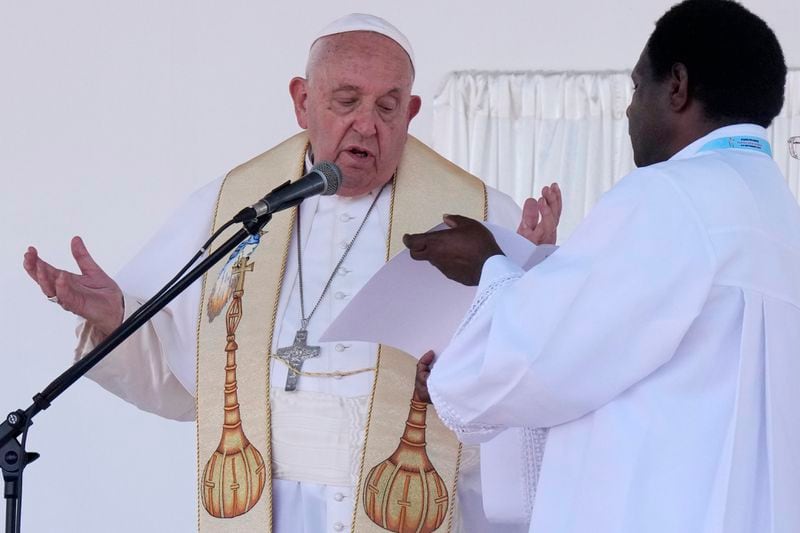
(299, 351)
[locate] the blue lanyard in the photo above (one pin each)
(741, 142)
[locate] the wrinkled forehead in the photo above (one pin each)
(357, 50)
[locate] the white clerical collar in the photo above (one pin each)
(734, 130)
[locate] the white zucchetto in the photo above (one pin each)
(365, 22)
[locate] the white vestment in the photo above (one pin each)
(313, 485)
(661, 346)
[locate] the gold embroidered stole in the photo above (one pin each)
(410, 460)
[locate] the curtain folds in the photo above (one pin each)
(785, 125)
(520, 131)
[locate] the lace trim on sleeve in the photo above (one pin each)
(453, 422)
(485, 296)
(447, 414)
(534, 442)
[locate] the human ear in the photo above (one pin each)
(679, 87)
(298, 89)
(414, 106)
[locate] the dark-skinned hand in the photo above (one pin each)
(421, 381)
(459, 252)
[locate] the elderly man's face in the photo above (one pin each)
(356, 105)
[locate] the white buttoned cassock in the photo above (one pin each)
(317, 430)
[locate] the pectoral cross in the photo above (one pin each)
(295, 355)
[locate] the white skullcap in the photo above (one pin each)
(365, 22)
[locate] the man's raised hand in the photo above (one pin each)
(540, 218)
(92, 294)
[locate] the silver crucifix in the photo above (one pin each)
(295, 355)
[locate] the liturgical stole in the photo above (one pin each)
(409, 464)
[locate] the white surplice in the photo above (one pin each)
(661, 346)
(155, 369)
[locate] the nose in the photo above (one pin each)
(365, 121)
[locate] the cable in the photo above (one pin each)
(192, 261)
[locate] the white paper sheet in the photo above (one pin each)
(411, 306)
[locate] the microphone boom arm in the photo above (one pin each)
(13, 456)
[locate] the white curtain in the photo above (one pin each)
(520, 131)
(785, 125)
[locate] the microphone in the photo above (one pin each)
(324, 178)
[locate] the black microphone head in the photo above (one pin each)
(332, 175)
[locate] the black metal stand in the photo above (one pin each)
(13, 457)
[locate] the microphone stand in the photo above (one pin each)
(13, 456)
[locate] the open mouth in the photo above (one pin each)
(357, 152)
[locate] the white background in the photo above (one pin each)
(111, 112)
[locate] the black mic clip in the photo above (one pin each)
(324, 178)
(249, 215)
